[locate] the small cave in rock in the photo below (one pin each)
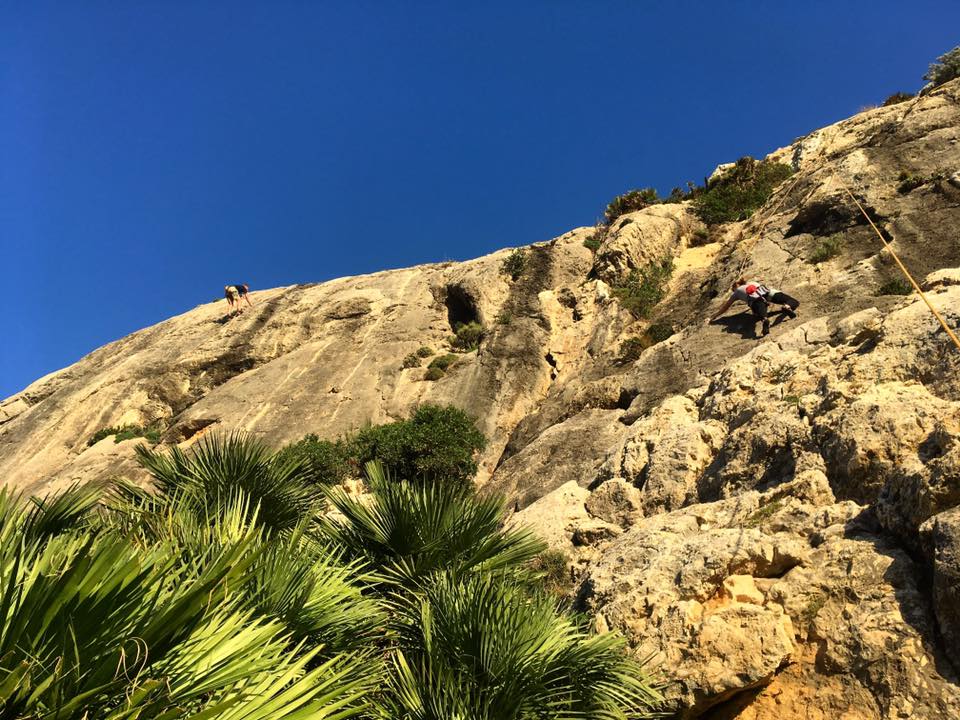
(824, 218)
(461, 307)
(189, 428)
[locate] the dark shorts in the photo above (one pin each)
(241, 290)
(761, 306)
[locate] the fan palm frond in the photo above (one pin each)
(218, 467)
(483, 647)
(409, 530)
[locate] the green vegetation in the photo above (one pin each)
(467, 337)
(225, 594)
(328, 462)
(443, 362)
(553, 568)
(643, 289)
(630, 201)
(945, 69)
(792, 400)
(740, 191)
(436, 440)
(424, 352)
(126, 432)
(910, 182)
(897, 98)
(439, 365)
(763, 514)
(813, 608)
(632, 348)
(658, 332)
(701, 236)
(896, 286)
(505, 317)
(593, 241)
(515, 264)
(411, 361)
(827, 248)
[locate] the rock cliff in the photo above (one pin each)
(776, 522)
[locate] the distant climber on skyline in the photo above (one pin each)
(233, 294)
(758, 298)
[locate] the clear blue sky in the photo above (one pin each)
(151, 152)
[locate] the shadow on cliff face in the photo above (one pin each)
(193, 378)
(910, 577)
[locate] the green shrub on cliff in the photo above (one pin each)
(126, 432)
(740, 191)
(642, 289)
(945, 69)
(630, 201)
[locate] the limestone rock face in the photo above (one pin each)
(775, 521)
(941, 537)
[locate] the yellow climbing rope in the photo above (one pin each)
(903, 268)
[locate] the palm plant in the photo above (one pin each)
(218, 468)
(469, 636)
(485, 648)
(223, 595)
(410, 530)
(94, 625)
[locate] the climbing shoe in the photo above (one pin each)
(766, 328)
(790, 313)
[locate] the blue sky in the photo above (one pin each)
(151, 152)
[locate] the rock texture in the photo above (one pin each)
(776, 523)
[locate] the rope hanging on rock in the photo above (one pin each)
(759, 233)
(903, 268)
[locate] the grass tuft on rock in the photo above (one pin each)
(895, 286)
(826, 249)
(630, 201)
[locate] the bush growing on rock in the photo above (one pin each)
(443, 362)
(632, 348)
(897, 98)
(593, 240)
(126, 432)
(436, 442)
(330, 463)
(642, 289)
(467, 337)
(514, 264)
(945, 69)
(630, 201)
(896, 286)
(411, 361)
(910, 182)
(424, 352)
(740, 191)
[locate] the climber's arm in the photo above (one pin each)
(722, 310)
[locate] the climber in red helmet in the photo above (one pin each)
(758, 298)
